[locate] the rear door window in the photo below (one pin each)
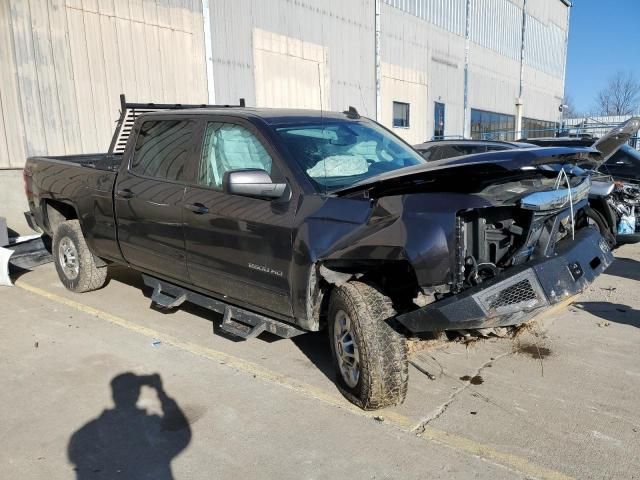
(162, 149)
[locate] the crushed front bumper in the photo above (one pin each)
(521, 292)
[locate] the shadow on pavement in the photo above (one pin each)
(612, 312)
(315, 346)
(625, 268)
(127, 442)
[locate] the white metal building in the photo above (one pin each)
(423, 67)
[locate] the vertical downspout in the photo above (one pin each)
(208, 51)
(519, 102)
(564, 65)
(378, 62)
(466, 123)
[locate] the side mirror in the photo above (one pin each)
(252, 182)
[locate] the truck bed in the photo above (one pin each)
(82, 181)
(99, 161)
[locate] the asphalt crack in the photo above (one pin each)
(438, 412)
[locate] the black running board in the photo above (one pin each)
(236, 321)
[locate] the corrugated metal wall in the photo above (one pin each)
(435, 44)
(447, 14)
(343, 30)
(497, 25)
(65, 62)
(545, 46)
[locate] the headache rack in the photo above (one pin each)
(130, 111)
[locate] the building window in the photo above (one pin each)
(438, 120)
(532, 128)
(400, 114)
(491, 125)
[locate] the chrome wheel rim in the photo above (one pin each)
(68, 258)
(346, 348)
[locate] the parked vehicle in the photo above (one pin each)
(292, 220)
(613, 194)
(441, 149)
(623, 164)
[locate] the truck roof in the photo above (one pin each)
(272, 116)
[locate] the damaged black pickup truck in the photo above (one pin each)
(289, 221)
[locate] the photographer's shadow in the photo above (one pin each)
(127, 442)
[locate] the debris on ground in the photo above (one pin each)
(428, 342)
(604, 323)
(475, 380)
(429, 375)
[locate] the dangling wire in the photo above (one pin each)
(563, 174)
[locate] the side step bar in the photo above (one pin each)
(235, 321)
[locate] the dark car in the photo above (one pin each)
(441, 149)
(623, 164)
(289, 221)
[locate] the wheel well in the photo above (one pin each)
(601, 206)
(57, 212)
(395, 279)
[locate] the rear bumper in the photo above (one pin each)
(521, 293)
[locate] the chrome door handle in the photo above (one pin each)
(125, 193)
(197, 208)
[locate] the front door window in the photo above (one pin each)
(230, 147)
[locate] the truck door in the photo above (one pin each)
(149, 197)
(238, 247)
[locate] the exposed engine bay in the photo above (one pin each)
(493, 239)
(624, 200)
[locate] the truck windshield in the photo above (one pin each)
(337, 154)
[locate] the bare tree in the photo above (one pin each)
(621, 96)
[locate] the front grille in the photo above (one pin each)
(518, 293)
(522, 292)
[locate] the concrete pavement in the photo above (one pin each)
(268, 407)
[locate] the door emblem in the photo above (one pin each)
(265, 269)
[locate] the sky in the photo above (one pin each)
(604, 37)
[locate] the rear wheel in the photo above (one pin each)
(369, 355)
(75, 264)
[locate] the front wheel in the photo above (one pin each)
(75, 264)
(596, 221)
(369, 355)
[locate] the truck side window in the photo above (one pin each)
(229, 147)
(162, 149)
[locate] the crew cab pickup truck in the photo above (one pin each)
(289, 221)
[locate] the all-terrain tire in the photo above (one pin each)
(88, 275)
(382, 350)
(602, 225)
